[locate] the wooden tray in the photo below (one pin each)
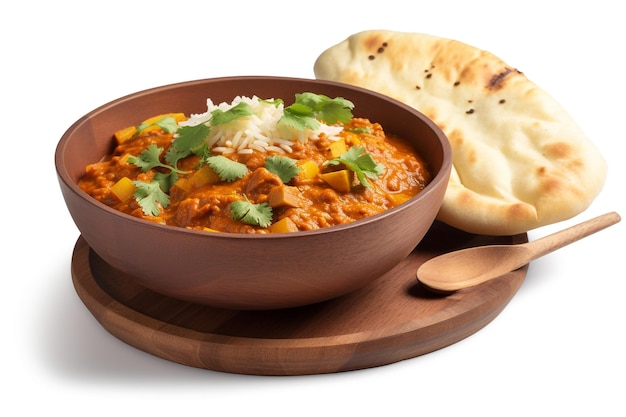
(393, 319)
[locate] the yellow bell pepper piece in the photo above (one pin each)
(124, 189)
(397, 199)
(338, 148)
(179, 117)
(204, 176)
(339, 180)
(182, 184)
(124, 159)
(154, 128)
(308, 169)
(123, 135)
(127, 133)
(284, 225)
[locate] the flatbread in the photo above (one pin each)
(520, 161)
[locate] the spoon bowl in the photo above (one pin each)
(469, 267)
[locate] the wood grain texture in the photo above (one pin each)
(393, 319)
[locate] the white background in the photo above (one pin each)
(556, 349)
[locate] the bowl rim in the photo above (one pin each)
(63, 174)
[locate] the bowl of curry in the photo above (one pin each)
(253, 192)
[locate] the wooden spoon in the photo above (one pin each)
(468, 267)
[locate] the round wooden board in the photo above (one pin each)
(392, 319)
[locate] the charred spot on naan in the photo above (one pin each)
(497, 81)
(375, 45)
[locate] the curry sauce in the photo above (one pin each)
(319, 195)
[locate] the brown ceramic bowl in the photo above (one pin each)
(249, 271)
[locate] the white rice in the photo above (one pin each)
(257, 132)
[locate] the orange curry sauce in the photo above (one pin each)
(309, 203)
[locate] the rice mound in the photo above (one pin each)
(257, 132)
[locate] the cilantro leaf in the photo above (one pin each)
(150, 158)
(282, 166)
(329, 110)
(299, 117)
(188, 138)
(150, 197)
(227, 169)
(165, 181)
(220, 117)
(309, 107)
(147, 159)
(254, 214)
(191, 136)
(359, 161)
(203, 152)
(336, 111)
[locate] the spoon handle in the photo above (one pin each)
(564, 237)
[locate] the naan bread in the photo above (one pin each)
(520, 161)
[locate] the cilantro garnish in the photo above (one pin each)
(227, 169)
(250, 213)
(326, 109)
(149, 159)
(165, 181)
(220, 117)
(305, 113)
(156, 191)
(150, 197)
(202, 151)
(309, 108)
(299, 117)
(187, 139)
(358, 160)
(282, 166)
